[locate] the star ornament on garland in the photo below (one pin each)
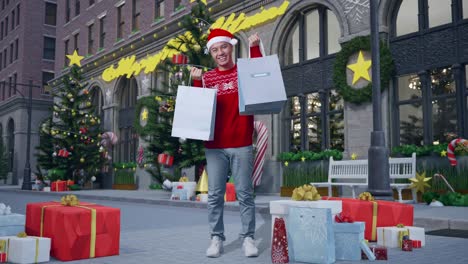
(75, 59)
(420, 182)
(360, 68)
(443, 153)
(144, 114)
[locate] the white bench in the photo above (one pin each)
(354, 173)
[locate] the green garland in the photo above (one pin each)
(152, 105)
(359, 96)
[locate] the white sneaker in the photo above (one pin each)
(250, 250)
(216, 248)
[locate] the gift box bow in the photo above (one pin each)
(366, 196)
(305, 193)
(343, 218)
(69, 200)
(183, 179)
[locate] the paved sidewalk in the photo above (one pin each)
(431, 218)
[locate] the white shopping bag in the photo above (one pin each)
(261, 86)
(195, 113)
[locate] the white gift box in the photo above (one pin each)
(189, 186)
(390, 236)
(25, 250)
(280, 208)
(12, 224)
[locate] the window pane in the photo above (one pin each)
(336, 127)
(465, 8)
(444, 116)
(314, 105)
(409, 87)
(440, 12)
(51, 14)
(336, 101)
(407, 19)
(442, 82)
(312, 35)
(295, 135)
(292, 47)
(314, 131)
(411, 124)
(295, 106)
(334, 33)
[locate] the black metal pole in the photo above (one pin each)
(27, 185)
(379, 176)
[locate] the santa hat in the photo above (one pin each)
(220, 35)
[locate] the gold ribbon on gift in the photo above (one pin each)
(401, 234)
(69, 200)
(72, 200)
(305, 193)
(184, 179)
(366, 196)
(3, 245)
(24, 235)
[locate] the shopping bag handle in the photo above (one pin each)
(262, 49)
(202, 79)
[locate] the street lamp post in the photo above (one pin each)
(27, 184)
(379, 176)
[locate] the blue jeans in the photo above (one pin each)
(241, 162)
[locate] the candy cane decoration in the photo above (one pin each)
(140, 156)
(262, 142)
(451, 150)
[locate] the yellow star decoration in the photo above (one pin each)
(286, 163)
(420, 182)
(353, 156)
(144, 114)
(360, 68)
(75, 59)
(443, 153)
(303, 159)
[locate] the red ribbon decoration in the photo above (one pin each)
(343, 218)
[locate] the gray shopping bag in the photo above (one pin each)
(195, 113)
(261, 86)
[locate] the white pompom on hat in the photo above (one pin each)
(220, 35)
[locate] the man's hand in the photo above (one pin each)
(254, 40)
(196, 73)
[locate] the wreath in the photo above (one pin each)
(152, 105)
(350, 94)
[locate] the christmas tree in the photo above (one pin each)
(70, 140)
(3, 161)
(172, 73)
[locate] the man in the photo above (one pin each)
(232, 143)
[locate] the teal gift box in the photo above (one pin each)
(348, 237)
(310, 235)
(12, 224)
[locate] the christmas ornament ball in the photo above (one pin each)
(82, 160)
(182, 140)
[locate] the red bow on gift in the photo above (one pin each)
(343, 218)
(180, 187)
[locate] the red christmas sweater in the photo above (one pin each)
(231, 129)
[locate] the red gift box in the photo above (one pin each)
(376, 214)
(58, 186)
(165, 159)
(407, 245)
(3, 257)
(230, 195)
(77, 232)
(379, 252)
(416, 243)
(179, 59)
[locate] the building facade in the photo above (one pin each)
(27, 55)
(425, 101)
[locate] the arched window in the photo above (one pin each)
(10, 144)
(430, 95)
(97, 100)
(128, 139)
(314, 117)
(415, 15)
